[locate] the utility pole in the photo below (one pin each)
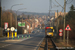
(57, 22)
(64, 19)
(49, 12)
(0, 13)
(1, 20)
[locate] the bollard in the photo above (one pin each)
(13, 37)
(25, 36)
(12, 34)
(18, 37)
(22, 36)
(15, 34)
(8, 35)
(29, 36)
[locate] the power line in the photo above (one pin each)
(51, 4)
(69, 2)
(66, 3)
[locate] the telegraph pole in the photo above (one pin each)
(0, 13)
(49, 11)
(57, 21)
(64, 19)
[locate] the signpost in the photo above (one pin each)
(5, 25)
(15, 32)
(68, 29)
(8, 32)
(60, 34)
(21, 24)
(12, 29)
(60, 30)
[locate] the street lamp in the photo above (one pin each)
(16, 16)
(11, 11)
(20, 16)
(15, 5)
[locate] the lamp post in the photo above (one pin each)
(20, 16)
(11, 12)
(15, 5)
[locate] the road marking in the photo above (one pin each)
(5, 45)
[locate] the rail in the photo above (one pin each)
(53, 43)
(49, 38)
(47, 43)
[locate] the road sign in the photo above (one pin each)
(60, 30)
(12, 28)
(5, 25)
(60, 34)
(15, 30)
(21, 24)
(8, 29)
(68, 28)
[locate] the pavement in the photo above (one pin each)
(29, 43)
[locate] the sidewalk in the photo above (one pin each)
(11, 36)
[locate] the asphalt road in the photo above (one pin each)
(26, 43)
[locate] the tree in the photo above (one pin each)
(6, 18)
(70, 18)
(72, 8)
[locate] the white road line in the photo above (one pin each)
(5, 45)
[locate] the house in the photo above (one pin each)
(59, 13)
(27, 26)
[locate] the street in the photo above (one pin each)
(37, 25)
(28, 44)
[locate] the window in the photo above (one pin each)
(49, 30)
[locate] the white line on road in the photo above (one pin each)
(5, 45)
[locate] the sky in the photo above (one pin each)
(39, 6)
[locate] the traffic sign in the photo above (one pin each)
(68, 28)
(21, 24)
(60, 30)
(15, 30)
(5, 29)
(60, 34)
(8, 29)
(5, 25)
(12, 28)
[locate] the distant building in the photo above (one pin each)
(59, 13)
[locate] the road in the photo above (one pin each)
(25, 43)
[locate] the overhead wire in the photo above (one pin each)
(66, 3)
(50, 6)
(51, 3)
(69, 2)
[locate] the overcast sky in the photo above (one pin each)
(40, 6)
